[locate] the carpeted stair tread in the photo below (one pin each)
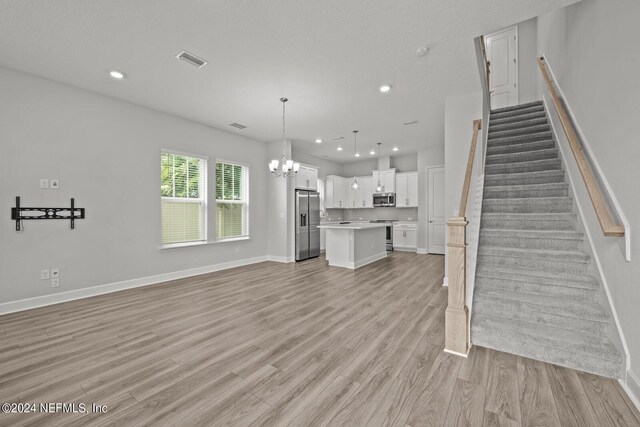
(520, 118)
(517, 107)
(536, 288)
(526, 156)
(527, 122)
(523, 178)
(518, 139)
(591, 354)
(501, 114)
(585, 281)
(550, 189)
(560, 204)
(521, 147)
(531, 166)
(535, 253)
(531, 239)
(522, 130)
(550, 260)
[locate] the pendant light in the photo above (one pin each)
(379, 187)
(355, 184)
(288, 165)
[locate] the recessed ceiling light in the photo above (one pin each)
(318, 141)
(118, 75)
(339, 148)
(385, 88)
(395, 148)
(357, 154)
(372, 152)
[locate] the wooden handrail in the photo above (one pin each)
(477, 125)
(487, 64)
(602, 212)
(456, 323)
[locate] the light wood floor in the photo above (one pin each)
(276, 344)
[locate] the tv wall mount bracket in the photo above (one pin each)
(19, 214)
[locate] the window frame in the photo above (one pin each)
(246, 171)
(203, 198)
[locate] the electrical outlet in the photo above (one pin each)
(55, 283)
(44, 274)
(44, 183)
(55, 272)
(55, 184)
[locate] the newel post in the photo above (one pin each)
(457, 314)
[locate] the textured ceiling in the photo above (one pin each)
(327, 57)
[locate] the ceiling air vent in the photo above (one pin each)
(410, 123)
(237, 126)
(340, 138)
(190, 58)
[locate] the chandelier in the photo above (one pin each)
(379, 187)
(288, 166)
(355, 184)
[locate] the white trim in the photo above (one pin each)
(632, 387)
(184, 153)
(44, 300)
(596, 165)
(203, 243)
(282, 259)
(517, 58)
(422, 251)
(456, 353)
(404, 249)
(605, 284)
(445, 281)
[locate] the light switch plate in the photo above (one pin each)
(44, 274)
(44, 183)
(55, 184)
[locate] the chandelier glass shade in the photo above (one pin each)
(283, 167)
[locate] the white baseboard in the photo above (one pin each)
(632, 387)
(445, 281)
(423, 251)
(456, 353)
(404, 249)
(282, 259)
(44, 300)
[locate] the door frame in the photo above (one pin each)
(427, 190)
(516, 56)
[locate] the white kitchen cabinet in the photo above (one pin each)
(387, 180)
(361, 197)
(307, 178)
(407, 190)
(335, 192)
(405, 237)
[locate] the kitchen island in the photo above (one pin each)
(353, 245)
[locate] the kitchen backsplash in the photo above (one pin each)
(404, 214)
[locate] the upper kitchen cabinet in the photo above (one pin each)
(387, 180)
(407, 190)
(362, 197)
(336, 188)
(307, 178)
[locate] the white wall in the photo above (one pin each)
(432, 156)
(527, 67)
(325, 167)
(593, 49)
(106, 154)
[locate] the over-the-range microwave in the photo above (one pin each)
(384, 200)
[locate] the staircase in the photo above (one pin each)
(536, 291)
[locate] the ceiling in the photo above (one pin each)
(328, 57)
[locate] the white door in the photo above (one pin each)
(502, 53)
(436, 210)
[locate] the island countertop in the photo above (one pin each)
(353, 226)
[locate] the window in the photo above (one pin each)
(232, 200)
(183, 198)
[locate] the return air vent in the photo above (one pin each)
(410, 123)
(237, 125)
(192, 59)
(340, 138)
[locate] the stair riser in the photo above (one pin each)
(521, 148)
(489, 193)
(540, 115)
(530, 156)
(522, 130)
(533, 207)
(584, 282)
(546, 165)
(492, 180)
(547, 354)
(517, 112)
(500, 127)
(518, 224)
(521, 139)
(524, 243)
(535, 264)
(589, 327)
(535, 288)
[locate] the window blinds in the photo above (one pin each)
(183, 198)
(231, 200)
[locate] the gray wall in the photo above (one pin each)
(106, 154)
(325, 167)
(527, 68)
(592, 47)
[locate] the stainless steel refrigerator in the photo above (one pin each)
(307, 222)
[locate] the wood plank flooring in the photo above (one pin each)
(284, 344)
